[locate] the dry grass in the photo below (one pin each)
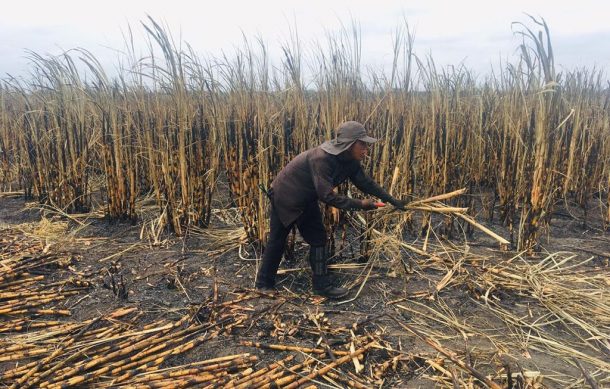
(529, 137)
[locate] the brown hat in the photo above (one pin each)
(347, 134)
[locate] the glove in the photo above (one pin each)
(398, 204)
(368, 204)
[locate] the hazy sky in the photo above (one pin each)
(475, 33)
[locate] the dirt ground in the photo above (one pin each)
(176, 276)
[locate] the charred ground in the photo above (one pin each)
(459, 298)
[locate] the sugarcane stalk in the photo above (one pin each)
(236, 383)
(114, 353)
(272, 380)
(239, 376)
(187, 381)
(57, 368)
(241, 358)
(31, 302)
(282, 347)
(17, 371)
(252, 382)
(441, 197)
(158, 359)
(483, 228)
(350, 383)
(36, 294)
(295, 384)
(142, 362)
(16, 347)
(269, 380)
(23, 355)
(60, 312)
(30, 280)
(22, 382)
(227, 365)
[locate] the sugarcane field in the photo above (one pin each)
(244, 221)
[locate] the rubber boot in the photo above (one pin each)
(265, 278)
(321, 280)
(265, 284)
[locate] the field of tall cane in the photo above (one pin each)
(172, 125)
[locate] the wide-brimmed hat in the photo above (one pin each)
(347, 133)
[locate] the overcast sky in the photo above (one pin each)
(474, 33)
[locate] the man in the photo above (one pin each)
(309, 177)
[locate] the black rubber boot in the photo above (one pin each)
(265, 288)
(265, 284)
(265, 278)
(321, 280)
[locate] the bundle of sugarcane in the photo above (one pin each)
(279, 374)
(107, 351)
(434, 205)
(18, 269)
(27, 292)
(14, 244)
(86, 354)
(384, 231)
(23, 290)
(209, 371)
(47, 339)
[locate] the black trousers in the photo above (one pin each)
(310, 227)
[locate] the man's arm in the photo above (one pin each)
(321, 173)
(367, 185)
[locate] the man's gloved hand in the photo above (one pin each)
(368, 204)
(398, 204)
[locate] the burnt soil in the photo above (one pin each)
(168, 280)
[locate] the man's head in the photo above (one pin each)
(347, 135)
(358, 150)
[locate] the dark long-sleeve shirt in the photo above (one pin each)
(312, 175)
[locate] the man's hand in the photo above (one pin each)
(369, 204)
(398, 204)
